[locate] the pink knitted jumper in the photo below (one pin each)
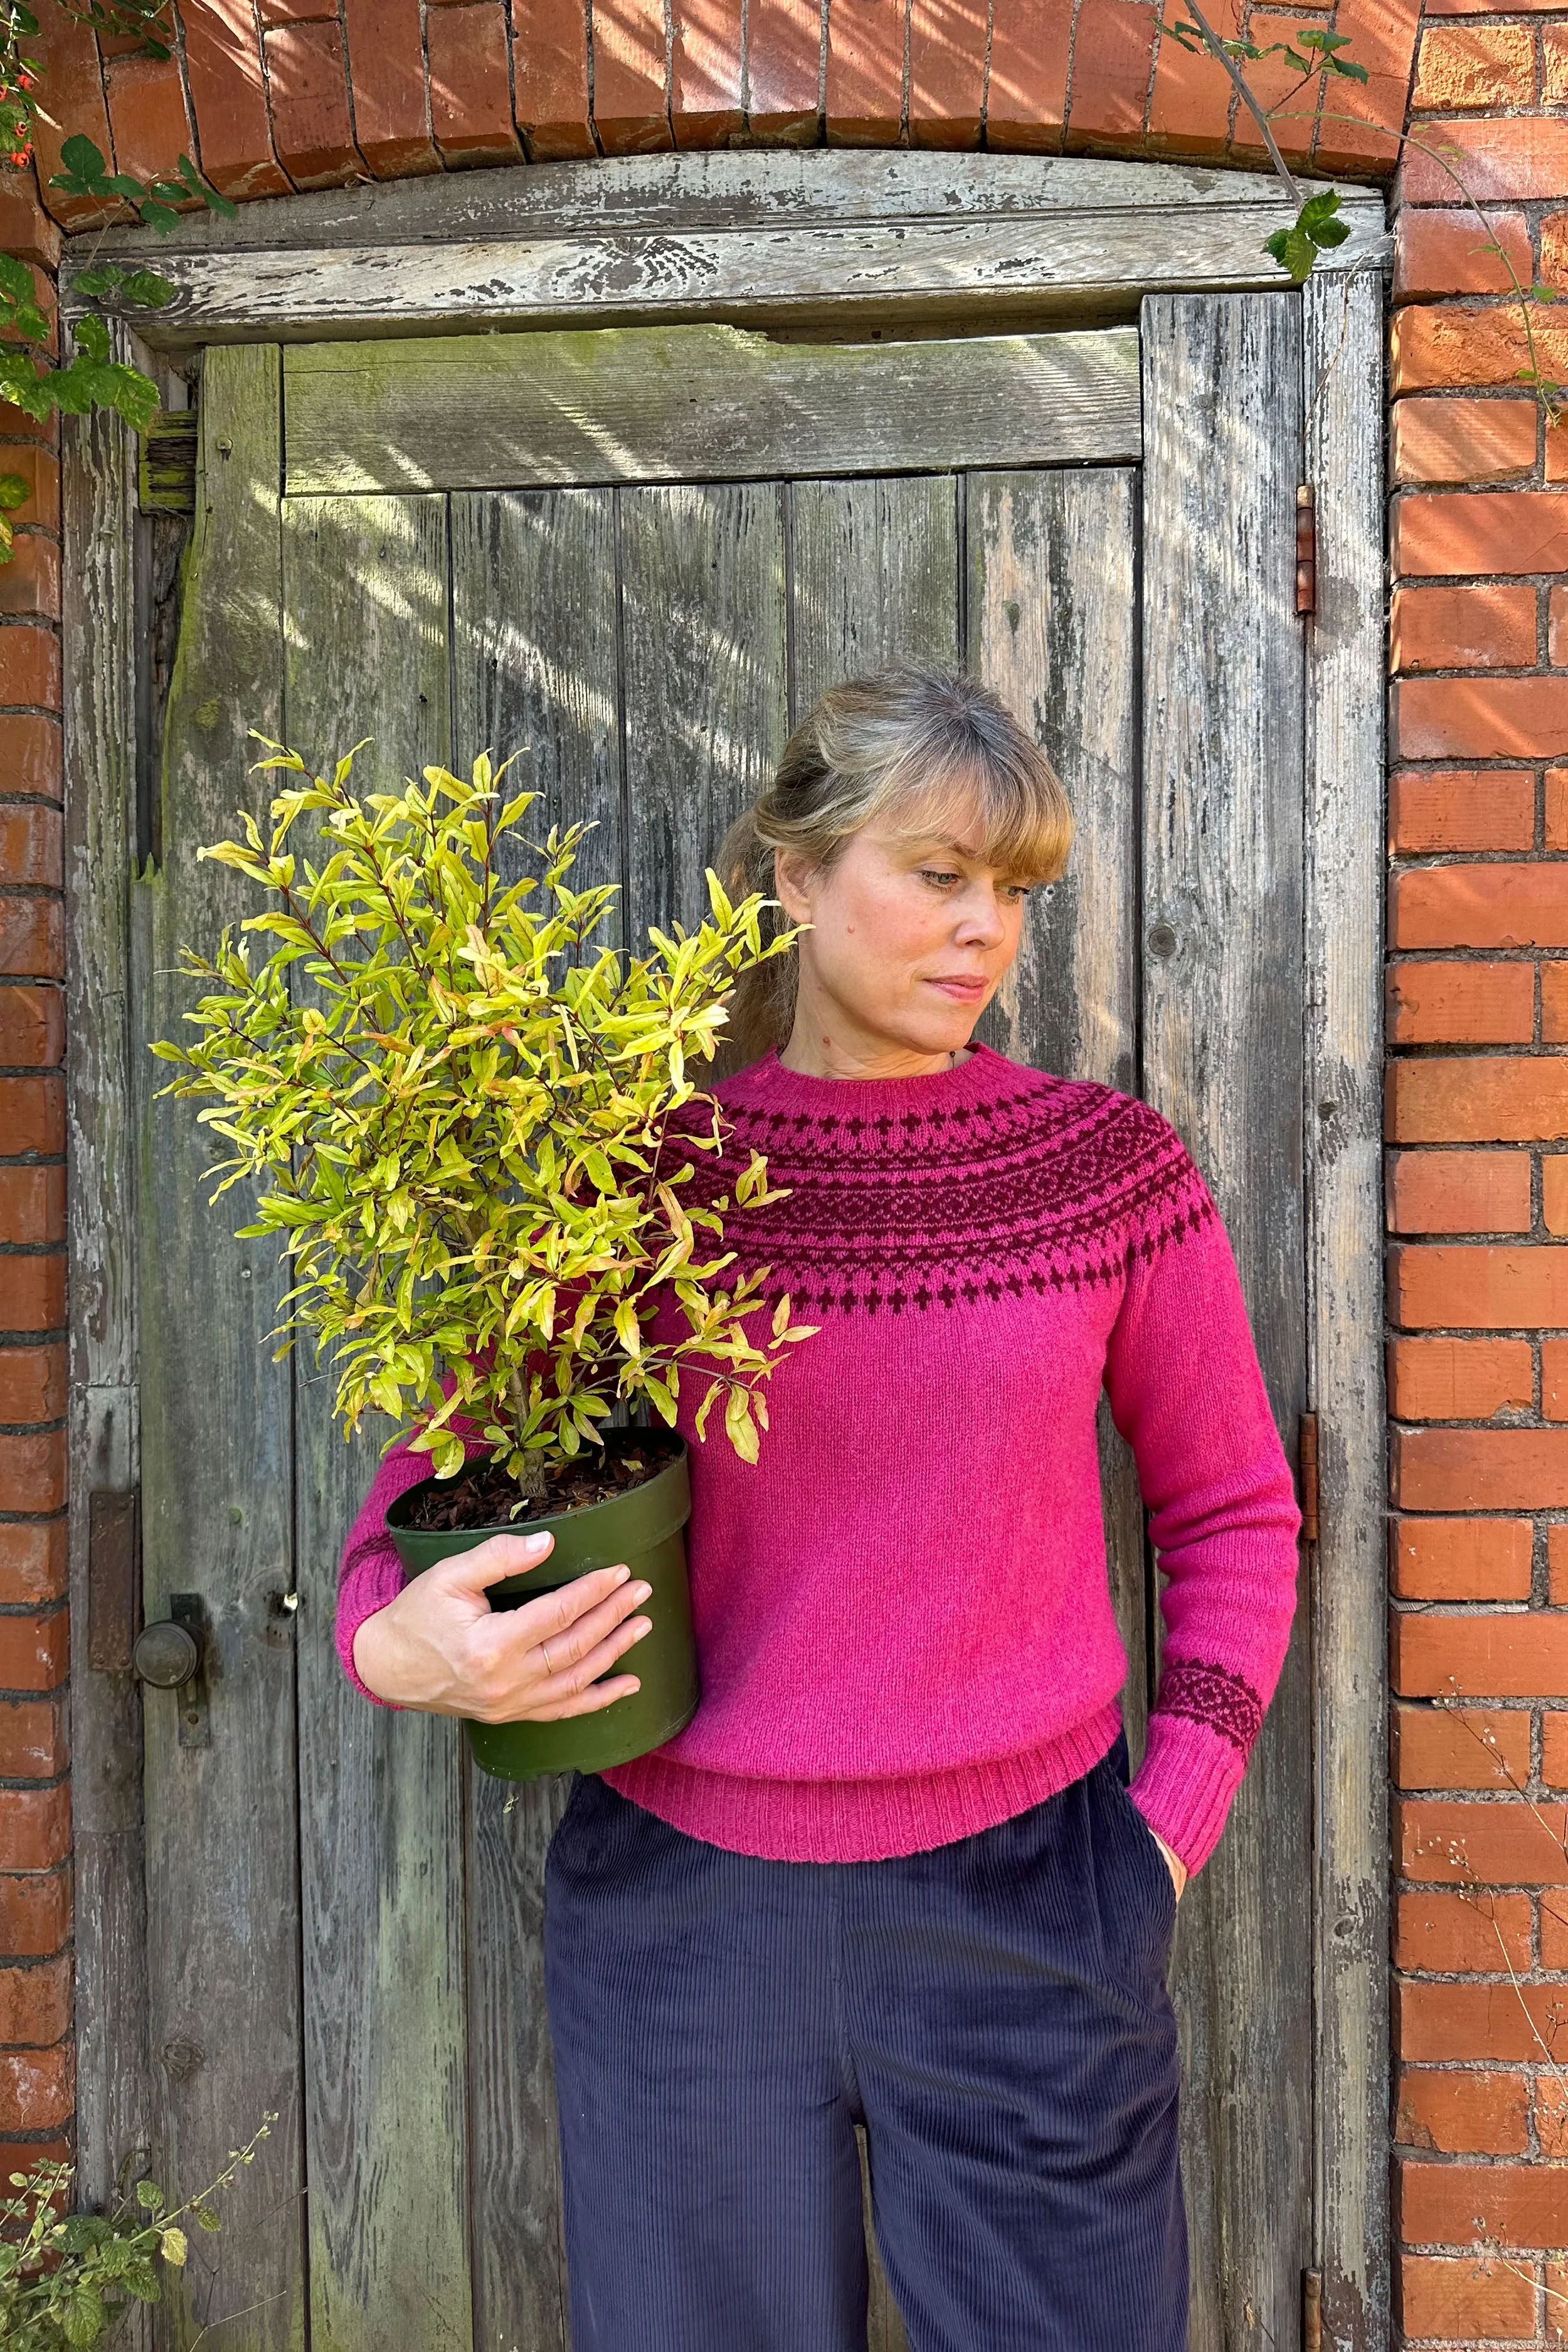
(903, 1617)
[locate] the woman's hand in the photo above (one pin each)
(1174, 1862)
(440, 1647)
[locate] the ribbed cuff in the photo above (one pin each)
(1184, 1785)
(373, 1579)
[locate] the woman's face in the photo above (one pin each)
(910, 936)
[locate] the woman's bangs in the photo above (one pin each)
(1023, 820)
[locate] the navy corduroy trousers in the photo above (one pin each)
(993, 2010)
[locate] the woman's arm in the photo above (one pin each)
(1187, 1392)
(369, 1573)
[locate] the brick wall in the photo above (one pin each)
(306, 93)
(1478, 1195)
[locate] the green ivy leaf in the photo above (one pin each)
(15, 491)
(105, 280)
(92, 337)
(145, 287)
(82, 158)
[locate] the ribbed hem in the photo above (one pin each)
(861, 1821)
(1185, 1783)
(369, 1585)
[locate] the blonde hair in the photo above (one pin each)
(907, 741)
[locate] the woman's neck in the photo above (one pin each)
(814, 1056)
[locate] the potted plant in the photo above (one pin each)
(454, 1099)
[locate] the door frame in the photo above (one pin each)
(873, 242)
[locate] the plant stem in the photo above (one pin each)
(1287, 178)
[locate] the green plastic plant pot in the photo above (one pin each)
(645, 1526)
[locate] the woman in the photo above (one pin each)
(893, 1872)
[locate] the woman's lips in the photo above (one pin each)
(964, 992)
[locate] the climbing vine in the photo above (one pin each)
(34, 376)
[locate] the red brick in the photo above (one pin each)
(1473, 1653)
(1480, 1470)
(1461, 808)
(1554, 1003)
(34, 1914)
(32, 1475)
(1508, 156)
(1451, 2113)
(1461, 1004)
(1467, 65)
(37, 2087)
(1555, 249)
(1494, 1099)
(1453, 440)
(1554, 1380)
(1463, 628)
(310, 127)
(1465, 2296)
(40, 468)
(33, 1740)
(783, 57)
(947, 71)
(1479, 532)
(1482, 1842)
(1460, 1559)
(471, 85)
(1459, 1380)
(1277, 86)
(1554, 1749)
(1361, 125)
(1553, 1933)
(1460, 1747)
(34, 1653)
(1450, 253)
(706, 71)
(34, 1829)
(31, 753)
(1480, 906)
(34, 1296)
(550, 77)
(26, 228)
(1481, 719)
(73, 97)
(147, 115)
(1456, 343)
(1552, 2124)
(1556, 808)
(1458, 1192)
(1025, 90)
(32, 937)
(32, 1384)
(36, 2005)
(30, 582)
(32, 1027)
(1190, 104)
(223, 67)
(1557, 1564)
(30, 845)
(29, 673)
(1499, 2204)
(32, 1563)
(1113, 47)
(32, 1115)
(1555, 66)
(387, 73)
(865, 73)
(630, 100)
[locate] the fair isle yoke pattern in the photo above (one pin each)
(1052, 1185)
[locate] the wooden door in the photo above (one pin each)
(638, 556)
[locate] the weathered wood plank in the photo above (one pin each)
(534, 658)
(221, 1832)
(381, 1795)
(97, 481)
(695, 403)
(1052, 624)
(1222, 1057)
(703, 664)
(1344, 335)
(826, 237)
(873, 576)
(730, 189)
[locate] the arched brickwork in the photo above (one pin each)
(290, 94)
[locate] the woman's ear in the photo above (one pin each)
(792, 876)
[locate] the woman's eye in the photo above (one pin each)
(929, 874)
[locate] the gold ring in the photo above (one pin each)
(544, 1653)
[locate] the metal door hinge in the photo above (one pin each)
(1311, 2311)
(1306, 550)
(1307, 1456)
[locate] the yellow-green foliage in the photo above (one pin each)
(456, 1101)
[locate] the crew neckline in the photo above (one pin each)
(972, 1079)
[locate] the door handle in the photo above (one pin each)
(170, 1654)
